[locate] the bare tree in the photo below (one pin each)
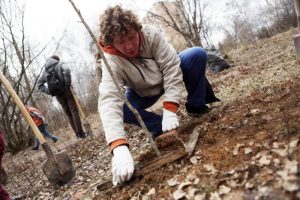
(16, 59)
(297, 9)
(271, 18)
(82, 67)
(185, 17)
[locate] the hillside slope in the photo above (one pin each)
(248, 146)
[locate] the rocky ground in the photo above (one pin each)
(248, 146)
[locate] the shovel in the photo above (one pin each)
(86, 124)
(58, 167)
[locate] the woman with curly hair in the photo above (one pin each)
(143, 62)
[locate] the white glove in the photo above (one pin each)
(169, 121)
(122, 165)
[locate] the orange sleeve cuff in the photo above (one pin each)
(171, 106)
(117, 143)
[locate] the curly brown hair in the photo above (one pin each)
(117, 20)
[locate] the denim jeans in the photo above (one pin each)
(46, 133)
(193, 66)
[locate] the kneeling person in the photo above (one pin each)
(143, 62)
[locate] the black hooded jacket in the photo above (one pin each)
(62, 70)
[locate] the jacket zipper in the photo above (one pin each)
(138, 70)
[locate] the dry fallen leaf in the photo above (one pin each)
(236, 149)
(172, 182)
(264, 160)
(200, 197)
(251, 143)
(191, 193)
(254, 111)
(191, 177)
(178, 194)
(231, 183)
(210, 168)
(151, 192)
(281, 152)
(293, 146)
(214, 196)
(184, 184)
(292, 184)
(247, 150)
(275, 145)
(291, 166)
(224, 189)
(249, 185)
(294, 143)
(276, 161)
(194, 160)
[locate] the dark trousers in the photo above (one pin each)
(69, 106)
(3, 194)
(193, 66)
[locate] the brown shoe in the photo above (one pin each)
(167, 139)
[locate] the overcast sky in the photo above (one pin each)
(45, 18)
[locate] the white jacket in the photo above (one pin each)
(156, 69)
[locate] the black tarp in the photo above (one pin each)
(215, 60)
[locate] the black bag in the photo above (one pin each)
(56, 86)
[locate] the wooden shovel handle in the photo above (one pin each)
(22, 108)
(77, 103)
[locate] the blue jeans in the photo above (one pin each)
(46, 133)
(193, 66)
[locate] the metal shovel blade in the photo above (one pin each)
(58, 168)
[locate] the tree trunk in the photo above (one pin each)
(297, 8)
(29, 88)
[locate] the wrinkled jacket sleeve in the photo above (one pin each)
(110, 106)
(169, 63)
(66, 74)
(41, 83)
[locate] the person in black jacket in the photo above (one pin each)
(64, 97)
